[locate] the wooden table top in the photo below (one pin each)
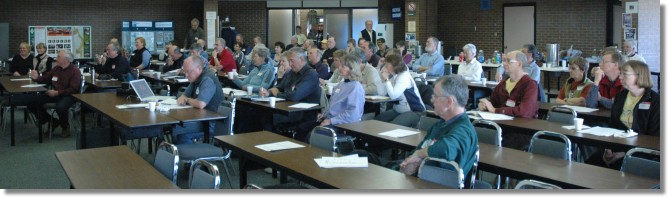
(15, 86)
(602, 113)
(372, 128)
(534, 125)
(115, 167)
(280, 106)
(103, 84)
(567, 174)
(299, 163)
(170, 81)
(105, 103)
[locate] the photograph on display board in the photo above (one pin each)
(76, 39)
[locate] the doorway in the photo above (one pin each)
(519, 25)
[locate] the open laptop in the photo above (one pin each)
(144, 92)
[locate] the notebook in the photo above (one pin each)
(144, 92)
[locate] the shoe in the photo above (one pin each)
(268, 170)
(65, 133)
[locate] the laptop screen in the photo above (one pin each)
(142, 89)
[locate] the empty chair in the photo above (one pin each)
(426, 122)
(471, 177)
(204, 175)
(489, 132)
(534, 184)
(564, 115)
(441, 171)
(551, 144)
(167, 161)
(642, 161)
(324, 138)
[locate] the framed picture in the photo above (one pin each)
(410, 36)
(627, 20)
(632, 7)
(630, 33)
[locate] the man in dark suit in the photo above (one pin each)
(368, 33)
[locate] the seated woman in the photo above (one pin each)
(337, 57)
(576, 89)
(22, 62)
(346, 103)
(141, 58)
(401, 45)
(401, 86)
(515, 96)
(262, 74)
(471, 69)
(637, 108)
(42, 62)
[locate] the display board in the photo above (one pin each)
(155, 33)
(77, 39)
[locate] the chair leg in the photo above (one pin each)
(227, 173)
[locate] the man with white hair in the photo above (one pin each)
(430, 62)
(65, 80)
(293, 43)
(629, 50)
(368, 33)
(315, 55)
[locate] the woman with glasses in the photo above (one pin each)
(576, 89)
(636, 108)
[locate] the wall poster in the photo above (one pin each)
(76, 39)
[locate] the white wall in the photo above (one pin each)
(280, 26)
(359, 18)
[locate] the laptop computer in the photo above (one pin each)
(144, 92)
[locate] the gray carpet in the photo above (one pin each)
(31, 165)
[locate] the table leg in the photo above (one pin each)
(548, 82)
(12, 122)
(242, 172)
(82, 113)
(283, 178)
(39, 127)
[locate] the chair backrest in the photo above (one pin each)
(252, 186)
(534, 184)
(201, 179)
(551, 144)
(488, 132)
(324, 101)
(181, 91)
(441, 171)
(426, 122)
(167, 161)
(324, 138)
(231, 103)
(642, 161)
(564, 115)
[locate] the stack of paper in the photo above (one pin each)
(277, 146)
(351, 161)
(399, 133)
(492, 83)
(19, 79)
(32, 85)
(303, 105)
(572, 127)
(601, 131)
(580, 109)
(128, 106)
(493, 116)
(182, 80)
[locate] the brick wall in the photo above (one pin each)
(248, 17)
(104, 16)
(385, 17)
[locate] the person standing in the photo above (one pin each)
(301, 38)
(368, 33)
(194, 33)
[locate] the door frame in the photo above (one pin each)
(534, 5)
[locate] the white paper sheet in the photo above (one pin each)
(492, 83)
(182, 80)
(580, 109)
(278, 146)
(494, 116)
(19, 79)
(237, 91)
(572, 127)
(33, 85)
(377, 97)
(601, 131)
(129, 106)
(399, 133)
(342, 162)
(302, 105)
(266, 99)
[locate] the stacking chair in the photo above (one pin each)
(72, 111)
(551, 144)
(324, 138)
(209, 178)
(642, 161)
(489, 132)
(441, 171)
(534, 184)
(471, 176)
(167, 161)
(426, 122)
(564, 115)
(210, 151)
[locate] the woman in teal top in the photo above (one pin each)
(262, 74)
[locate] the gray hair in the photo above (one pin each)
(358, 52)
(221, 41)
(115, 47)
(318, 52)
(454, 85)
(197, 62)
(351, 61)
(196, 46)
(299, 52)
(632, 43)
(520, 57)
(372, 46)
(261, 51)
(469, 47)
(68, 55)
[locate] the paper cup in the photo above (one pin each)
(272, 101)
(330, 89)
(231, 75)
(249, 90)
(152, 106)
(578, 122)
(423, 75)
(484, 81)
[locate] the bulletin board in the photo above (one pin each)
(76, 39)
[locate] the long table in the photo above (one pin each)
(280, 107)
(299, 163)
(13, 86)
(601, 114)
(515, 163)
(115, 167)
(486, 66)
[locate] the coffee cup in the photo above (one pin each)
(231, 75)
(578, 123)
(484, 81)
(152, 106)
(272, 101)
(330, 89)
(249, 90)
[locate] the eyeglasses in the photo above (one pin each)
(435, 97)
(629, 74)
(510, 61)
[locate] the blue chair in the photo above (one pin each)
(209, 178)
(441, 171)
(642, 161)
(534, 184)
(551, 144)
(167, 161)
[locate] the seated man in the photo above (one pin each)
(515, 96)
(177, 58)
(65, 80)
(370, 53)
(315, 62)
(430, 62)
(203, 92)
(371, 79)
(629, 49)
(603, 90)
(300, 85)
(531, 68)
(115, 65)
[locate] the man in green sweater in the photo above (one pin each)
(453, 138)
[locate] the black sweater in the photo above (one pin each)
(646, 121)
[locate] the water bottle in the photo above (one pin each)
(498, 57)
(92, 74)
(494, 57)
(481, 57)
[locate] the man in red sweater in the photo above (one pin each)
(222, 60)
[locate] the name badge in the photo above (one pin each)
(197, 91)
(510, 103)
(260, 74)
(54, 79)
(644, 105)
(579, 88)
(113, 66)
(337, 90)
